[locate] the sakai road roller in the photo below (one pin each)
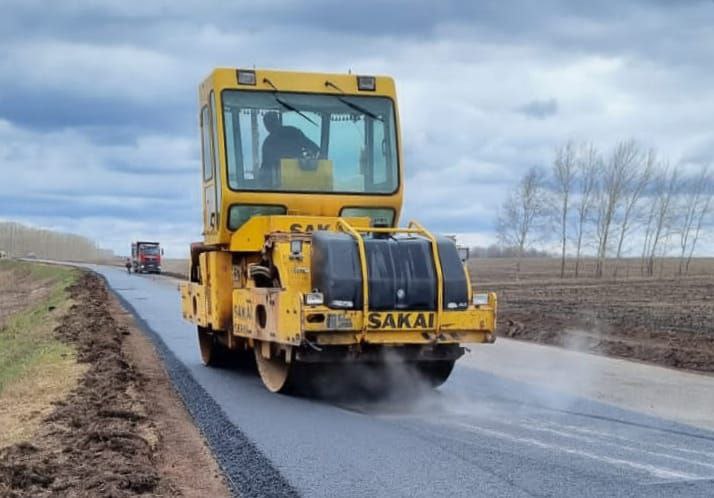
(304, 264)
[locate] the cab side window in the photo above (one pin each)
(206, 144)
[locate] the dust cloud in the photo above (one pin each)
(395, 386)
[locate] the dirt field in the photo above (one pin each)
(664, 320)
(122, 431)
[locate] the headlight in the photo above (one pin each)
(480, 299)
(295, 248)
(314, 298)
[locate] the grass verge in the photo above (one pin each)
(36, 369)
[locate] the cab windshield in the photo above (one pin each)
(295, 142)
(149, 250)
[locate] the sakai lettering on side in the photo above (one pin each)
(401, 320)
(299, 227)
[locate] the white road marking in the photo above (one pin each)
(659, 472)
(584, 430)
(625, 447)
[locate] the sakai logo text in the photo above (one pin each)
(401, 320)
(299, 227)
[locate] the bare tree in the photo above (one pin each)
(611, 189)
(521, 212)
(18, 240)
(587, 166)
(702, 208)
(564, 176)
(635, 181)
(665, 189)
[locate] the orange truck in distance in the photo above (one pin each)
(146, 257)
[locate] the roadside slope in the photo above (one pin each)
(121, 431)
(33, 298)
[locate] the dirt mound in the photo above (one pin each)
(98, 441)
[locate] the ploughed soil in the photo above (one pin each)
(664, 321)
(123, 431)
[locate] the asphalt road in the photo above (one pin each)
(478, 435)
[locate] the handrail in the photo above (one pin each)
(388, 230)
(363, 267)
(439, 274)
(413, 227)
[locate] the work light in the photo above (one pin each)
(246, 77)
(366, 83)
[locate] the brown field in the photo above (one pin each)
(667, 320)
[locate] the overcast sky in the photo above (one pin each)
(98, 128)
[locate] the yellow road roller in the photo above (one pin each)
(304, 264)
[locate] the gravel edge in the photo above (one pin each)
(247, 470)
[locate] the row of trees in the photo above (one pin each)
(629, 202)
(18, 240)
(501, 251)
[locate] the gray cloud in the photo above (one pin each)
(100, 99)
(540, 109)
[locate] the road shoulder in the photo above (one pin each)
(183, 456)
(662, 392)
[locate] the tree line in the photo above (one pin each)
(629, 201)
(17, 240)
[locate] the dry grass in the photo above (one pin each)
(36, 369)
(49, 379)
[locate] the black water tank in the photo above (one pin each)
(456, 290)
(401, 272)
(335, 268)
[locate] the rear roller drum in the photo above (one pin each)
(213, 353)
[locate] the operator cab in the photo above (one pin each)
(309, 144)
